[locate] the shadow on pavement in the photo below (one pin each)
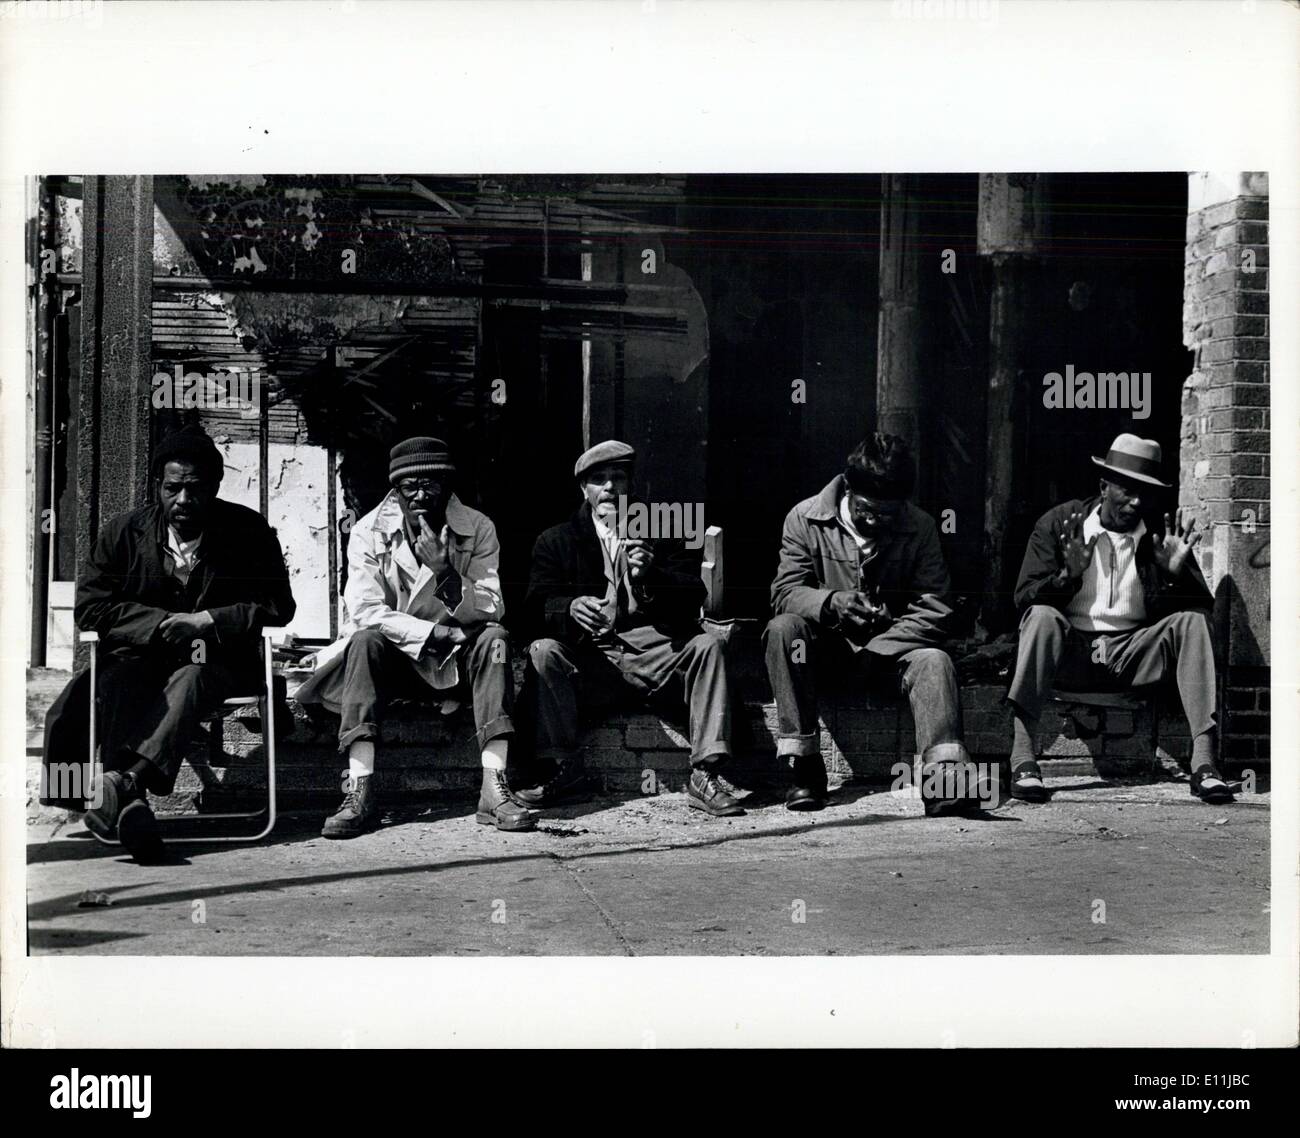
(65, 904)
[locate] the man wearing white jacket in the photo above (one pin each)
(423, 601)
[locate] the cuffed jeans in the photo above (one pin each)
(791, 644)
(376, 671)
(1054, 654)
(645, 662)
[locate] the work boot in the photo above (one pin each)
(359, 813)
(496, 806)
(809, 789)
(137, 830)
(705, 792)
(569, 781)
(115, 790)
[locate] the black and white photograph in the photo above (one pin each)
(695, 559)
(591, 553)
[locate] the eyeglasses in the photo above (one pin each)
(413, 488)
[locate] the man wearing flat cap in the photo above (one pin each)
(424, 610)
(1107, 605)
(619, 614)
(178, 591)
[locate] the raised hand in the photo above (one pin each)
(1076, 552)
(431, 548)
(639, 557)
(1175, 544)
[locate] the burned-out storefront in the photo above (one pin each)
(741, 331)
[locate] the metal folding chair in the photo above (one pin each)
(267, 709)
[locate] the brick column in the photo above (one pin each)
(1224, 454)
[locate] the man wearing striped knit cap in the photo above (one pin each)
(424, 611)
(1107, 604)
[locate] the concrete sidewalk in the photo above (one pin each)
(648, 876)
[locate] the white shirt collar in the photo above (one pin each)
(182, 549)
(1092, 527)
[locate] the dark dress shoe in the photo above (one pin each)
(112, 795)
(570, 781)
(1210, 788)
(1027, 784)
(137, 830)
(116, 791)
(705, 792)
(809, 789)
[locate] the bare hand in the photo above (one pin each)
(851, 610)
(1076, 552)
(639, 558)
(1173, 547)
(431, 548)
(180, 629)
(589, 612)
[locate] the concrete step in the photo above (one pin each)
(862, 737)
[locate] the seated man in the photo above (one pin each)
(179, 592)
(621, 614)
(423, 599)
(1109, 605)
(861, 583)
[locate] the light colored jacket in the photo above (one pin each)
(381, 561)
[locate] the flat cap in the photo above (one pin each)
(611, 450)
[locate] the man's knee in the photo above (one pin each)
(548, 656)
(367, 642)
(194, 678)
(1042, 621)
(785, 629)
(1190, 621)
(708, 646)
(493, 643)
(929, 665)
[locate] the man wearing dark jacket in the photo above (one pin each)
(1107, 604)
(179, 592)
(619, 612)
(862, 583)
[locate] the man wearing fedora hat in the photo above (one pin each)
(1108, 604)
(424, 609)
(621, 615)
(178, 591)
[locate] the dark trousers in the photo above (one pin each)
(1052, 653)
(796, 649)
(150, 709)
(644, 662)
(376, 671)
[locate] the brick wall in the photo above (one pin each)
(1224, 456)
(863, 735)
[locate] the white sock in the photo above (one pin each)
(494, 754)
(361, 759)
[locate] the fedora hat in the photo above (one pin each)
(1133, 459)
